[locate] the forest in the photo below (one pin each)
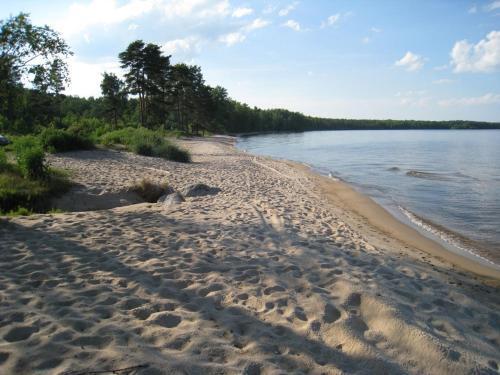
(153, 94)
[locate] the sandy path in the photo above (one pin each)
(263, 278)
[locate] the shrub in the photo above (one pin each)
(150, 191)
(18, 193)
(130, 136)
(3, 160)
(20, 211)
(57, 140)
(146, 142)
(172, 152)
(143, 147)
(30, 158)
(91, 128)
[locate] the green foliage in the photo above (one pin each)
(33, 52)
(20, 211)
(87, 127)
(114, 95)
(30, 158)
(172, 152)
(146, 142)
(19, 193)
(3, 160)
(143, 147)
(131, 136)
(150, 191)
(57, 140)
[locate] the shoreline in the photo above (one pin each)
(380, 218)
(375, 215)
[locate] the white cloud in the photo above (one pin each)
(257, 23)
(481, 57)
(242, 12)
(86, 77)
(369, 38)
(232, 38)
(82, 16)
(411, 62)
(86, 37)
(471, 101)
(284, 11)
(294, 25)
(132, 27)
(493, 6)
(473, 9)
(101, 12)
(182, 46)
(442, 81)
(239, 36)
(331, 20)
(335, 19)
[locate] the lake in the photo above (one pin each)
(445, 183)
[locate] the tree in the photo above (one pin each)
(133, 60)
(147, 75)
(30, 53)
(114, 95)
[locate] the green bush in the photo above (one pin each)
(30, 157)
(18, 193)
(143, 147)
(172, 152)
(57, 140)
(146, 142)
(91, 128)
(3, 160)
(130, 136)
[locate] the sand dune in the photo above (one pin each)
(266, 277)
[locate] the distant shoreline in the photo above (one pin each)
(251, 134)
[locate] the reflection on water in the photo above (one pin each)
(447, 177)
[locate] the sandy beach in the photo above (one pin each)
(281, 272)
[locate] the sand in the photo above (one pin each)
(278, 273)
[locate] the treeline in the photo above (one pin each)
(153, 94)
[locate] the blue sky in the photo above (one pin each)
(401, 59)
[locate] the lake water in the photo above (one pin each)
(446, 183)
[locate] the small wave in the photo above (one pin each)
(446, 235)
(428, 175)
(394, 169)
(439, 176)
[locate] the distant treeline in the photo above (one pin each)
(153, 94)
(254, 120)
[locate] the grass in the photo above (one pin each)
(146, 142)
(19, 194)
(150, 191)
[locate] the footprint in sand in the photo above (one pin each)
(4, 356)
(20, 333)
(331, 314)
(166, 320)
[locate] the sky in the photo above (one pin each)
(399, 59)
